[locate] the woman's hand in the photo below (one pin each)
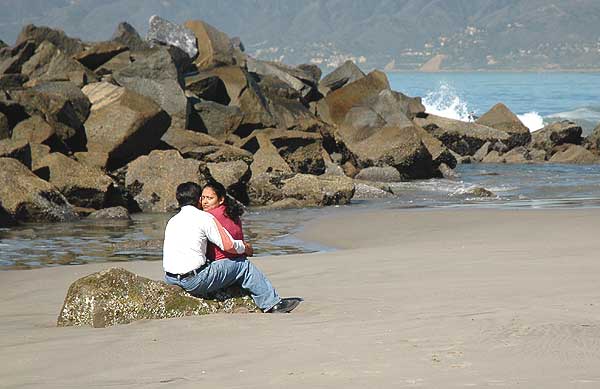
(249, 250)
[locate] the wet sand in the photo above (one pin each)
(412, 298)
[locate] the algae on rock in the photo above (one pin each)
(117, 296)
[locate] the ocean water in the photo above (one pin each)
(537, 98)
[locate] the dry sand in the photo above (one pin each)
(438, 299)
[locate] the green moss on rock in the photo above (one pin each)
(117, 296)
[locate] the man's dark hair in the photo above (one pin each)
(188, 193)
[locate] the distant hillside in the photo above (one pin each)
(401, 34)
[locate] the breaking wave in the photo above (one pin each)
(446, 102)
(532, 120)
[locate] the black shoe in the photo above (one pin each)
(285, 306)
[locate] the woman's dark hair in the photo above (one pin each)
(188, 193)
(233, 209)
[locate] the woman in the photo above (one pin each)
(227, 211)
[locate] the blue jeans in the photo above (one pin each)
(225, 272)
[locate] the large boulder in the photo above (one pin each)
(266, 157)
(58, 38)
(556, 134)
(303, 189)
(62, 105)
(501, 118)
(17, 149)
(152, 179)
(166, 32)
(158, 77)
(99, 53)
(302, 81)
(204, 147)
(12, 59)
(340, 101)
(379, 174)
(216, 119)
(347, 73)
(301, 151)
(207, 87)
(243, 92)
(214, 46)
(461, 137)
(82, 185)
(49, 63)
(234, 176)
(128, 36)
(122, 123)
(285, 104)
(26, 197)
(117, 296)
(36, 130)
(574, 154)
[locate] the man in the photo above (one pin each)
(184, 256)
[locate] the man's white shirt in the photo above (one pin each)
(186, 237)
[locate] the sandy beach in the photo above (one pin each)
(411, 298)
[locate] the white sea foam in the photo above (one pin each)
(532, 120)
(446, 102)
(584, 113)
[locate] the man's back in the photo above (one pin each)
(185, 240)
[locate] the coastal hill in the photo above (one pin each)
(395, 35)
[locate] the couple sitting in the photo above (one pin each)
(209, 219)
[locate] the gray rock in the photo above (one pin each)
(217, 120)
(556, 134)
(26, 197)
(379, 174)
(204, 147)
(122, 123)
(574, 154)
(364, 191)
(207, 87)
(99, 53)
(266, 158)
(153, 179)
(62, 105)
(342, 100)
(158, 77)
(347, 73)
(114, 213)
(17, 149)
(49, 63)
(127, 35)
(16, 57)
(166, 32)
(501, 118)
(464, 138)
(304, 189)
(447, 172)
(35, 130)
(58, 38)
(302, 151)
(82, 185)
(117, 296)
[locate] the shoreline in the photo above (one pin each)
(435, 298)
